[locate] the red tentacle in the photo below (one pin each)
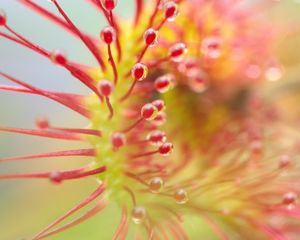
(56, 176)
(54, 97)
(80, 205)
(87, 41)
(67, 153)
(139, 5)
(43, 133)
(121, 230)
(47, 14)
(90, 213)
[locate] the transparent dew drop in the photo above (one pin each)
(170, 11)
(59, 57)
(157, 137)
(177, 52)
(108, 35)
(118, 140)
(106, 88)
(109, 5)
(151, 37)
(139, 72)
(181, 196)
(138, 215)
(273, 73)
(2, 17)
(211, 47)
(149, 112)
(164, 83)
(156, 184)
(165, 149)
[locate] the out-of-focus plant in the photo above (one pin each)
(185, 75)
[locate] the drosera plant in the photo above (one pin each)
(173, 132)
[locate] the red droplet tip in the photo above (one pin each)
(118, 140)
(151, 37)
(108, 35)
(59, 57)
(105, 87)
(159, 104)
(109, 5)
(2, 18)
(55, 177)
(170, 10)
(42, 123)
(165, 149)
(149, 111)
(157, 137)
(164, 83)
(139, 72)
(177, 52)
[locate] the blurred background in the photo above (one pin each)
(26, 206)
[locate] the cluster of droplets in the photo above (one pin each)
(152, 112)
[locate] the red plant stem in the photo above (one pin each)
(131, 193)
(42, 11)
(215, 227)
(65, 97)
(156, 8)
(43, 133)
(161, 24)
(80, 131)
(115, 26)
(174, 232)
(122, 226)
(152, 18)
(128, 93)
(111, 110)
(144, 154)
(16, 40)
(72, 68)
(158, 62)
(113, 64)
(88, 43)
(126, 130)
(180, 230)
(90, 213)
(98, 4)
(87, 173)
(80, 205)
(67, 153)
(137, 178)
(272, 233)
(27, 42)
(142, 54)
(38, 91)
(64, 175)
(84, 78)
(139, 5)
